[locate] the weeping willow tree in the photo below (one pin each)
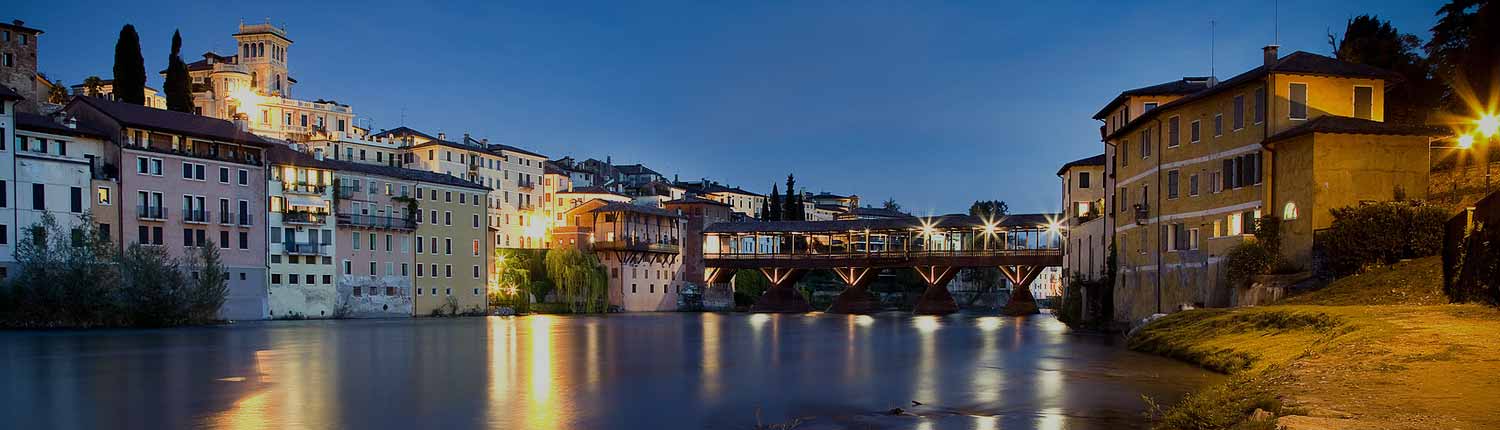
(579, 280)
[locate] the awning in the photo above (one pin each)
(306, 201)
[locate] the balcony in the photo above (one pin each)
(151, 213)
(524, 207)
(246, 220)
(671, 246)
(305, 248)
(302, 188)
(347, 191)
(195, 215)
(304, 218)
(377, 221)
(1142, 213)
(525, 185)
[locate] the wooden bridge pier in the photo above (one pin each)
(782, 297)
(856, 297)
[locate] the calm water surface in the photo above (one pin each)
(642, 371)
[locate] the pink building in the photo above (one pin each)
(186, 181)
(374, 254)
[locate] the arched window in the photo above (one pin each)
(277, 82)
(1289, 212)
(244, 50)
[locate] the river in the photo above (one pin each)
(623, 371)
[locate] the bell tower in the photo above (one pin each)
(263, 50)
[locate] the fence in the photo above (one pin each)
(1471, 253)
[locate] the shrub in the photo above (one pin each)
(1381, 233)
(1478, 268)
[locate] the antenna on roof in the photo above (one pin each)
(1275, 22)
(1213, 40)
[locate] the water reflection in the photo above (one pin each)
(621, 371)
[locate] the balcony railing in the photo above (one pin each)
(347, 191)
(157, 213)
(304, 218)
(377, 221)
(315, 189)
(246, 219)
(305, 248)
(525, 184)
(671, 246)
(226, 217)
(194, 215)
(1142, 213)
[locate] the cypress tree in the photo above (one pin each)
(791, 209)
(775, 213)
(178, 85)
(130, 68)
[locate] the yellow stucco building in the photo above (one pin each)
(1193, 166)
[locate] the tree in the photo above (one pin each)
(579, 278)
(989, 209)
(791, 205)
(65, 277)
(152, 284)
(130, 68)
(178, 84)
(210, 287)
(58, 93)
(774, 212)
(891, 205)
(93, 86)
(1369, 40)
(1465, 43)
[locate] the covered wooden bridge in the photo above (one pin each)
(1020, 245)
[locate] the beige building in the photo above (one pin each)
(639, 246)
(1191, 173)
(1085, 236)
(451, 256)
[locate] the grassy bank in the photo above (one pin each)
(1379, 350)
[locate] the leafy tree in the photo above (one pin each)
(749, 285)
(1369, 40)
(579, 278)
(211, 286)
(58, 93)
(152, 284)
(1465, 43)
(890, 204)
(989, 209)
(178, 84)
(64, 277)
(130, 68)
(774, 214)
(93, 86)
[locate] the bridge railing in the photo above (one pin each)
(882, 254)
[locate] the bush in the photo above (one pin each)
(1247, 260)
(1379, 234)
(1478, 268)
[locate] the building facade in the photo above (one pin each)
(1191, 175)
(50, 163)
(303, 276)
(18, 61)
(640, 248)
(1086, 239)
(376, 227)
(451, 258)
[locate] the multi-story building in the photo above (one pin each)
(830, 199)
(106, 90)
(451, 258)
(376, 214)
(49, 164)
(567, 200)
(256, 82)
(698, 213)
(302, 241)
(18, 48)
(639, 246)
(187, 181)
(1190, 174)
(1086, 239)
(746, 203)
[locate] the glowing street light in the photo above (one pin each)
(1489, 124)
(1466, 141)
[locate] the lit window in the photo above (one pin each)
(1289, 212)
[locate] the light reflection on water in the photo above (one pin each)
(557, 372)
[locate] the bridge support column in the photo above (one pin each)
(935, 299)
(782, 297)
(856, 298)
(1021, 301)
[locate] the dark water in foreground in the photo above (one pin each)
(643, 371)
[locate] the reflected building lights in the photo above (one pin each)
(709, 369)
(989, 323)
(927, 324)
(540, 411)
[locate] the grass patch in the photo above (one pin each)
(1234, 341)
(1224, 406)
(1417, 282)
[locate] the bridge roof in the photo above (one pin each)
(938, 222)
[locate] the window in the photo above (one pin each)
(1193, 185)
(244, 177)
(1364, 102)
(38, 197)
(1172, 180)
(103, 194)
(1192, 239)
(1260, 105)
(476, 272)
(419, 271)
(1239, 112)
(447, 246)
(1146, 143)
(223, 175)
(1174, 132)
(348, 268)
(1235, 225)
(476, 247)
(1148, 106)
(75, 197)
(448, 271)
(1218, 125)
(1298, 98)
(244, 240)
(1195, 131)
(1083, 179)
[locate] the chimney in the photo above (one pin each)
(242, 122)
(485, 141)
(466, 138)
(1270, 54)
(72, 122)
(442, 136)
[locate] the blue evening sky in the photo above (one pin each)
(935, 105)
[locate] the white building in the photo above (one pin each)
(49, 164)
(302, 240)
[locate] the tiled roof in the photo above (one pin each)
(1186, 85)
(500, 147)
(1097, 160)
(402, 173)
(45, 124)
(945, 221)
(629, 207)
(1346, 125)
(104, 82)
(590, 190)
(137, 116)
(1299, 62)
(401, 131)
(636, 169)
(8, 94)
(879, 212)
(19, 25)
(711, 188)
(690, 200)
(281, 154)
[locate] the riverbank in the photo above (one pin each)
(1381, 350)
